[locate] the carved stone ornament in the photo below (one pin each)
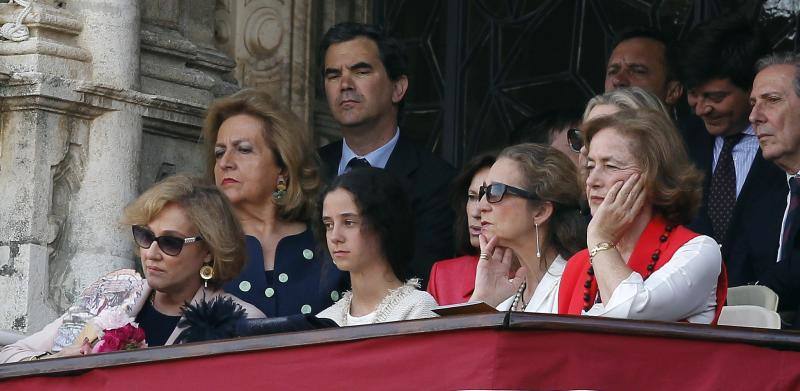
(263, 36)
(17, 31)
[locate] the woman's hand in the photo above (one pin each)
(492, 285)
(74, 350)
(619, 208)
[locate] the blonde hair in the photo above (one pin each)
(671, 180)
(550, 175)
(287, 137)
(628, 98)
(207, 209)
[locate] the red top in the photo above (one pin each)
(452, 281)
(571, 290)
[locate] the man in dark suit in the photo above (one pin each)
(776, 118)
(744, 195)
(365, 82)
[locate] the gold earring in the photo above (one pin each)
(280, 189)
(206, 273)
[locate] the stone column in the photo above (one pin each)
(104, 98)
(42, 122)
(94, 243)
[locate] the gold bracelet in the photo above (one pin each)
(602, 246)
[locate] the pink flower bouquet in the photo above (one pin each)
(127, 337)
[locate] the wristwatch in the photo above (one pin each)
(602, 246)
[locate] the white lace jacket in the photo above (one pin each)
(404, 303)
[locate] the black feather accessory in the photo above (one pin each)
(210, 320)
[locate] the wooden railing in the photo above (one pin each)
(471, 333)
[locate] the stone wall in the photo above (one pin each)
(103, 99)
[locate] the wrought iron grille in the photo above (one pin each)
(479, 68)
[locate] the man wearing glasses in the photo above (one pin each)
(744, 195)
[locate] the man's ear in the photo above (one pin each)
(399, 88)
(674, 92)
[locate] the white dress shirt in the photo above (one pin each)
(545, 297)
(377, 158)
(744, 152)
(684, 288)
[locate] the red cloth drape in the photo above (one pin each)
(466, 359)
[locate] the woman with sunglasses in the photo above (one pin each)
(191, 244)
(641, 262)
(262, 157)
(452, 281)
(529, 208)
(374, 244)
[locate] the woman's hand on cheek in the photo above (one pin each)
(616, 213)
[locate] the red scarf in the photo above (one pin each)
(571, 290)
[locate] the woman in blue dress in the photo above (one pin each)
(262, 157)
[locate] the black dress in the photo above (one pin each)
(157, 326)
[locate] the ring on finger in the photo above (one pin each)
(484, 256)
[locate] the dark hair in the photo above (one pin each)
(541, 128)
(655, 35)
(722, 48)
(458, 199)
(389, 50)
(552, 177)
(385, 209)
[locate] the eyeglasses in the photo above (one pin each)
(575, 139)
(495, 192)
(170, 245)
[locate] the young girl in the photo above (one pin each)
(368, 226)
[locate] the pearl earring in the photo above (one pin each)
(538, 249)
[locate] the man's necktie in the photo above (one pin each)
(791, 216)
(357, 162)
(722, 192)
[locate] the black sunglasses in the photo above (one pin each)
(170, 245)
(575, 139)
(495, 192)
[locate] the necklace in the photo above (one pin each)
(588, 301)
(519, 297)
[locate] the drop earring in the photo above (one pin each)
(280, 189)
(206, 273)
(538, 249)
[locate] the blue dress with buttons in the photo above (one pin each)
(301, 283)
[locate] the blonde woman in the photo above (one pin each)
(190, 245)
(261, 156)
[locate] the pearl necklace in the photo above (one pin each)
(519, 297)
